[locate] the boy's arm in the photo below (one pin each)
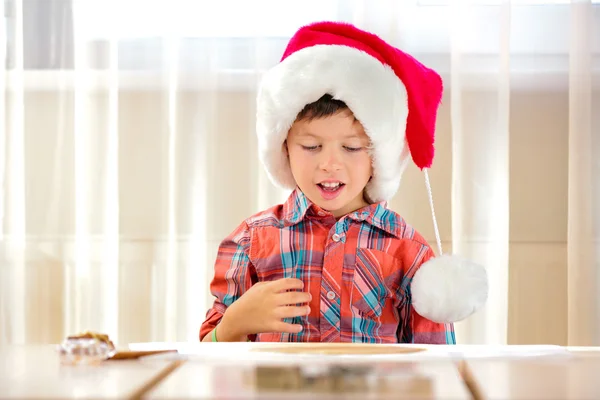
(421, 329)
(234, 275)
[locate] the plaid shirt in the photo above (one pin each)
(358, 270)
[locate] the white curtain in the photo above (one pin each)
(128, 152)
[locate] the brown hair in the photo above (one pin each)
(324, 107)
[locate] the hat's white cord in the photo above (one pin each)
(435, 225)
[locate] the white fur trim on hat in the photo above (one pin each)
(341, 71)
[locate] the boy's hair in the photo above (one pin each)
(324, 107)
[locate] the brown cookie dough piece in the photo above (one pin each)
(93, 335)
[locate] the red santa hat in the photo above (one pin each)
(396, 99)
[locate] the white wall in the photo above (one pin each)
(538, 199)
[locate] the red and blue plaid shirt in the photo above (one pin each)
(358, 270)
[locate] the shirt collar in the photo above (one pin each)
(295, 207)
(298, 207)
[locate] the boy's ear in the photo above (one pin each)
(285, 149)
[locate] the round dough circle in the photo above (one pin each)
(336, 349)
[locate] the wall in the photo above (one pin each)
(216, 135)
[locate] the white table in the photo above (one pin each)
(35, 372)
(237, 370)
(576, 378)
(207, 378)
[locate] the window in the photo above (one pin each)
(216, 40)
(127, 19)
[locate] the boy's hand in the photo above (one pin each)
(262, 309)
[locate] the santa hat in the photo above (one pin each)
(396, 99)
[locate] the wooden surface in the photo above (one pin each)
(410, 380)
(575, 378)
(236, 370)
(35, 372)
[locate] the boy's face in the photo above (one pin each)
(330, 161)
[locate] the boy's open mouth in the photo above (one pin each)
(330, 186)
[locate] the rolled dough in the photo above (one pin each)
(336, 348)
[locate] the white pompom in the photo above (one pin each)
(449, 288)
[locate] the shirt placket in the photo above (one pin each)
(331, 283)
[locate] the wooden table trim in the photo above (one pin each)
(469, 380)
(155, 380)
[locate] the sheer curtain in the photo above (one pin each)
(128, 152)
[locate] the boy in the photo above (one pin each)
(333, 263)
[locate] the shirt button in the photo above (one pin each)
(321, 213)
(336, 237)
(330, 295)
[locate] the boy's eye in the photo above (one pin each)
(310, 148)
(352, 149)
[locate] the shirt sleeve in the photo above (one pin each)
(234, 274)
(418, 328)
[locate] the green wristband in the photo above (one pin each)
(213, 336)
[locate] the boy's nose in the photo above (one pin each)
(330, 161)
